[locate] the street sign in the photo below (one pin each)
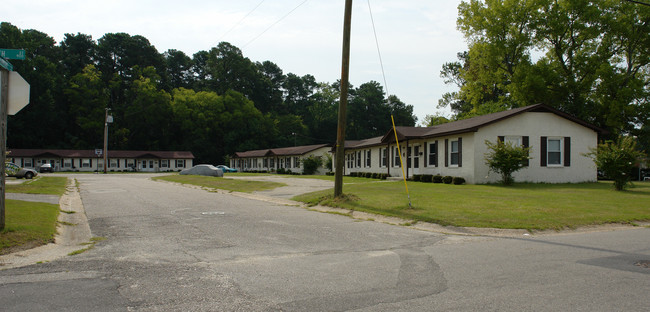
(18, 93)
(12, 54)
(6, 65)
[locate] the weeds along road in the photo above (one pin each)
(173, 248)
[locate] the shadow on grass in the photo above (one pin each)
(353, 202)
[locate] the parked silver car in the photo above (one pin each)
(205, 170)
(13, 170)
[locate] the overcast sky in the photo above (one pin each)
(415, 36)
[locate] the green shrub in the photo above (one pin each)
(427, 178)
(311, 164)
(417, 177)
(616, 160)
(437, 178)
(383, 176)
(447, 179)
(368, 175)
(505, 159)
(458, 180)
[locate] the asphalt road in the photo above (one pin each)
(174, 248)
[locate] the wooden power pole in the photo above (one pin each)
(343, 103)
(4, 100)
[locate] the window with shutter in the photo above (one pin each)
(433, 154)
(454, 153)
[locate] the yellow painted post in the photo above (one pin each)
(401, 162)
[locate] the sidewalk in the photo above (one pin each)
(73, 230)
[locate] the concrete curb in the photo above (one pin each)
(73, 234)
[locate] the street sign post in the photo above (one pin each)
(6, 65)
(12, 54)
(14, 95)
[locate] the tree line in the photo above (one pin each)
(213, 103)
(587, 58)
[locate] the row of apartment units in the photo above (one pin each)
(91, 160)
(557, 140)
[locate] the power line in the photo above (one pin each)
(381, 63)
(241, 20)
(639, 2)
(283, 17)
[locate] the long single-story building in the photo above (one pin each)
(286, 158)
(89, 160)
(558, 142)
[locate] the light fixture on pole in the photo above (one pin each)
(107, 119)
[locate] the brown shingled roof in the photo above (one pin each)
(297, 150)
(17, 152)
(255, 153)
(473, 124)
(361, 143)
(282, 151)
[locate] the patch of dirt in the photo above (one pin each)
(25, 246)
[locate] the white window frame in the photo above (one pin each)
(85, 163)
(452, 152)
(515, 140)
(415, 162)
(432, 152)
(560, 150)
(368, 159)
(396, 157)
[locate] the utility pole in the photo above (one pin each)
(4, 99)
(107, 119)
(9, 106)
(343, 102)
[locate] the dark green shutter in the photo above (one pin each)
(542, 158)
(435, 159)
(446, 152)
(426, 156)
(525, 142)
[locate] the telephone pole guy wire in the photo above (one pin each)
(383, 73)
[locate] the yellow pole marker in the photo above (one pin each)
(401, 162)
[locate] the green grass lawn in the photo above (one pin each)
(523, 206)
(28, 223)
(31, 224)
(246, 186)
(41, 185)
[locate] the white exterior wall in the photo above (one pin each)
(375, 160)
(535, 125)
(322, 152)
(465, 170)
(257, 163)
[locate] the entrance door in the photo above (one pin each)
(416, 159)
